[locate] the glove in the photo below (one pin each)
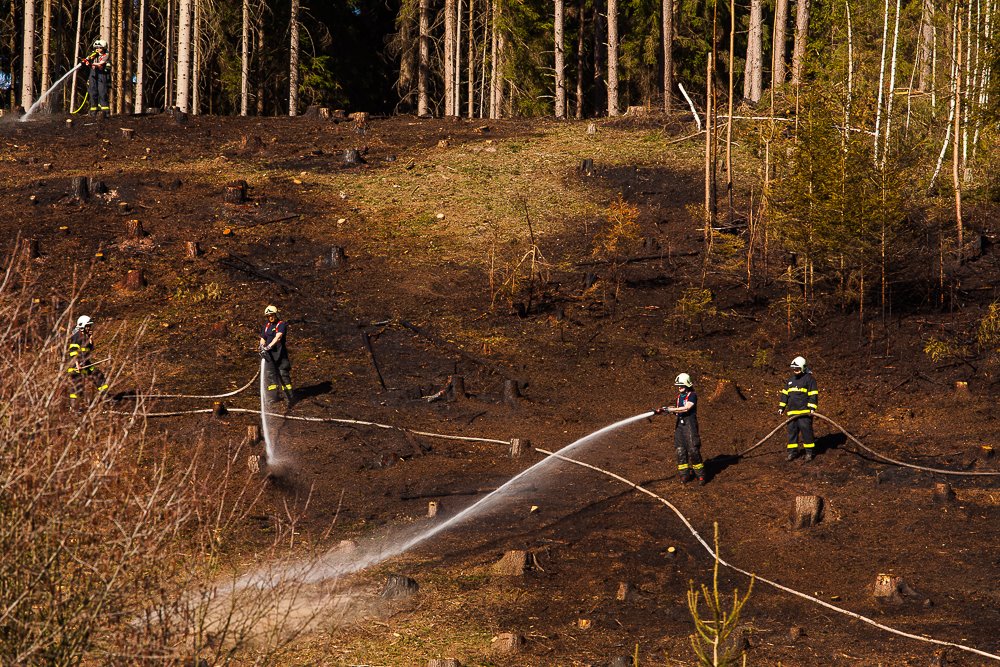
(84, 61)
(263, 353)
(781, 411)
(659, 411)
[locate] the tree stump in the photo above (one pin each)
(191, 249)
(339, 114)
(961, 389)
(29, 249)
(352, 156)
(135, 280)
(592, 128)
(134, 230)
(178, 116)
(943, 493)
(324, 113)
(513, 564)
(511, 393)
(518, 447)
(236, 192)
(808, 511)
(457, 388)
(98, 187)
(249, 142)
(219, 409)
(398, 587)
(360, 119)
(128, 133)
(587, 167)
(890, 588)
(124, 207)
(621, 661)
(444, 662)
(253, 434)
(81, 188)
(432, 508)
(506, 643)
(625, 592)
(336, 259)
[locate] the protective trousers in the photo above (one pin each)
(277, 375)
(97, 89)
(687, 442)
(801, 426)
(78, 378)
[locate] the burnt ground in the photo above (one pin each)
(584, 359)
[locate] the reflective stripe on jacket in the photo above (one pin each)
(800, 396)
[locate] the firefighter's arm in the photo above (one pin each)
(812, 397)
(683, 408)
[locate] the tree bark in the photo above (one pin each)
(424, 61)
(449, 57)
(184, 56)
(667, 25)
(599, 46)
(46, 43)
(778, 69)
(753, 75)
(140, 59)
(801, 38)
(168, 62)
(560, 58)
(245, 60)
(259, 30)
(28, 55)
(457, 100)
(612, 57)
(120, 66)
(926, 45)
(293, 62)
(76, 53)
(196, 60)
(471, 92)
(578, 112)
(106, 21)
(955, 162)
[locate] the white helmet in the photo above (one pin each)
(83, 321)
(682, 380)
(100, 44)
(798, 364)
(271, 310)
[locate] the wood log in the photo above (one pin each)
(943, 493)
(587, 167)
(506, 643)
(457, 389)
(128, 133)
(444, 662)
(808, 511)
(625, 591)
(236, 192)
(134, 230)
(511, 393)
(191, 249)
(29, 249)
(398, 587)
(80, 188)
(513, 564)
(135, 280)
(432, 508)
(352, 156)
(518, 447)
(366, 340)
(239, 263)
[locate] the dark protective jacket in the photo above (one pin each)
(80, 347)
(268, 333)
(800, 395)
(691, 416)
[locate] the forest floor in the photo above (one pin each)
(440, 226)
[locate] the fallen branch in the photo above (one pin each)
(284, 218)
(238, 263)
(366, 339)
(440, 342)
(639, 258)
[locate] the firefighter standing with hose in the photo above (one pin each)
(97, 81)
(800, 399)
(81, 345)
(687, 439)
(273, 350)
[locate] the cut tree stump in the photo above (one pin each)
(253, 434)
(457, 389)
(506, 643)
(592, 128)
(29, 249)
(432, 508)
(191, 249)
(134, 230)
(127, 133)
(398, 587)
(324, 113)
(97, 186)
(135, 280)
(444, 662)
(587, 167)
(339, 114)
(513, 564)
(81, 188)
(236, 192)
(251, 142)
(178, 116)
(219, 409)
(518, 447)
(511, 393)
(943, 493)
(353, 156)
(624, 593)
(961, 389)
(360, 119)
(890, 588)
(336, 259)
(808, 511)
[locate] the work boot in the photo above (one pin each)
(792, 455)
(809, 455)
(686, 476)
(702, 481)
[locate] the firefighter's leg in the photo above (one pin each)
(808, 440)
(102, 91)
(271, 381)
(694, 455)
(681, 447)
(97, 377)
(793, 439)
(75, 389)
(284, 371)
(92, 91)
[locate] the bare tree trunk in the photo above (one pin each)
(293, 61)
(245, 60)
(926, 44)
(753, 75)
(259, 30)
(612, 57)
(128, 92)
(801, 37)
(46, 42)
(449, 57)
(501, 60)
(196, 68)
(892, 87)
(560, 59)
(881, 79)
(140, 59)
(184, 55)
(168, 63)
(850, 71)
(119, 68)
(28, 55)
(955, 161)
(778, 69)
(106, 22)
(458, 60)
(76, 53)
(471, 92)
(425, 55)
(598, 61)
(729, 120)
(578, 112)
(709, 157)
(667, 25)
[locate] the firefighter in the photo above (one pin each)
(273, 350)
(81, 366)
(799, 399)
(687, 439)
(97, 82)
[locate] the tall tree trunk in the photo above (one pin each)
(259, 31)
(140, 58)
(168, 63)
(599, 92)
(892, 86)
(494, 56)
(424, 59)
(579, 58)
(119, 65)
(801, 39)
(667, 26)
(196, 66)
(245, 60)
(612, 57)
(497, 94)
(709, 156)
(183, 94)
(881, 80)
(128, 92)
(293, 61)
(471, 93)
(28, 55)
(458, 60)
(46, 44)
(449, 57)
(955, 154)
(729, 119)
(76, 53)
(926, 45)
(560, 59)
(778, 69)
(753, 75)
(106, 20)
